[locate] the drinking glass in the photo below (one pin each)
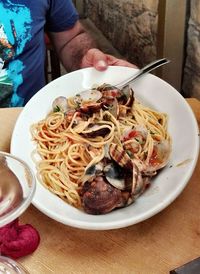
(17, 187)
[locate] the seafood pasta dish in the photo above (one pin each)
(100, 149)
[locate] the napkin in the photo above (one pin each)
(18, 240)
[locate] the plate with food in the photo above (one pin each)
(104, 157)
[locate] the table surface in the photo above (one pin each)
(155, 246)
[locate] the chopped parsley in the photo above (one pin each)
(78, 105)
(130, 154)
(56, 109)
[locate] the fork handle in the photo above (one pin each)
(153, 65)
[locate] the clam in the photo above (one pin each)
(92, 95)
(130, 99)
(105, 193)
(118, 170)
(160, 156)
(90, 107)
(124, 179)
(124, 96)
(115, 175)
(107, 186)
(119, 155)
(89, 101)
(105, 96)
(124, 174)
(112, 106)
(60, 104)
(95, 130)
(109, 91)
(137, 181)
(92, 171)
(138, 132)
(138, 187)
(129, 95)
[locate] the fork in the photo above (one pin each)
(85, 94)
(151, 66)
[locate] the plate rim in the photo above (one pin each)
(124, 223)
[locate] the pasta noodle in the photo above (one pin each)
(71, 141)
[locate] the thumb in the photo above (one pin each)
(96, 58)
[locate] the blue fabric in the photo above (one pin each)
(22, 46)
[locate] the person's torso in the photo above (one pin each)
(22, 50)
(22, 46)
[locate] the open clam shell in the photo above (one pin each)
(95, 130)
(60, 104)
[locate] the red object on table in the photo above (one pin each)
(18, 240)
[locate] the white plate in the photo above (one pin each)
(169, 183)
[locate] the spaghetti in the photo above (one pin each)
(97, 129)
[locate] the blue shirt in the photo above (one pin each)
(22, 47)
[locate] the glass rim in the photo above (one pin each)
(13, 265)
(16, 212)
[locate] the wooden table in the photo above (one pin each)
(155, 246)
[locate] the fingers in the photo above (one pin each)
(96, 58)
(113, 61)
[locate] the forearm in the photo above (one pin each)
(72, 49)
(71, 55)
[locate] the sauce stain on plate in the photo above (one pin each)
(183, 162)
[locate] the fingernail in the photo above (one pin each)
(101, 64)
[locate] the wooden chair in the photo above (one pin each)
(52, 64)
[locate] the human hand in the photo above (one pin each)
(96, 58)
